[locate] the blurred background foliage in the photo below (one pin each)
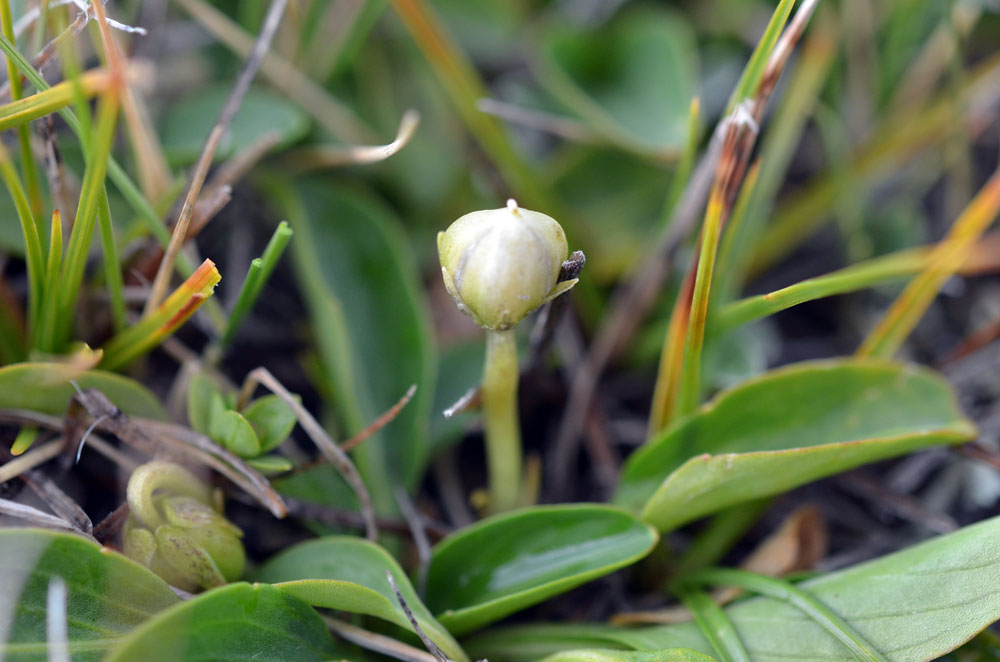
(880, 131)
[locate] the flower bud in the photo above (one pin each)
(175, 532)
(501, 264)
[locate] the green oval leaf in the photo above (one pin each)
(204, 403)
(233, 432)
(348, 574)
(107, 594)
(787, 428)
(605, 75)
(270, 465)
(371, 323)
(271, 419)
(46, 387)
(235, 622)
(189, 122)
(505, 563)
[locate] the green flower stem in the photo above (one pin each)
(503, 435)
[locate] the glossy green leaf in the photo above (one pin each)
(107, 594)
(234, 622)
(786, 428)
(46, 387)
(916, 604)
(371, 323)
(348, 574)
(671, 655)
(632, 79)
(189, 121)
(233, 432)
(204, 403)
(271, 419)
(506, 563)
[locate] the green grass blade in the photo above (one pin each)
(23, 132)
(112, 267)
(54, 263)
(257, 276)
(24, 439)
(859, 276)
(129, 190)
(91, 194)
(714, 624)
(778, 146)
(889, 334)
(21, 111)
(783, 590)
(32, 241)
(152, 330)
(754, 70)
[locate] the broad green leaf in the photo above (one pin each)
(506, 563)
(371, 323)
(271, 419)
(46, 387)
(348, 574)
(671, 655)
(916, 604)
(233, 432)
(786, 428)
(204, 403)
(234, 622)
(190, 120)
(107, 594)
(632, 79)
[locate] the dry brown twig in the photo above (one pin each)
(35, 516)
(332, 156)
(430, 645)
(381, 421)
(334, 454)
(162, 280)
(419, 534)
(91, 408)
(726, 158)
(377, 642)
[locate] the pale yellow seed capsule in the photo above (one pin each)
(501, 264)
